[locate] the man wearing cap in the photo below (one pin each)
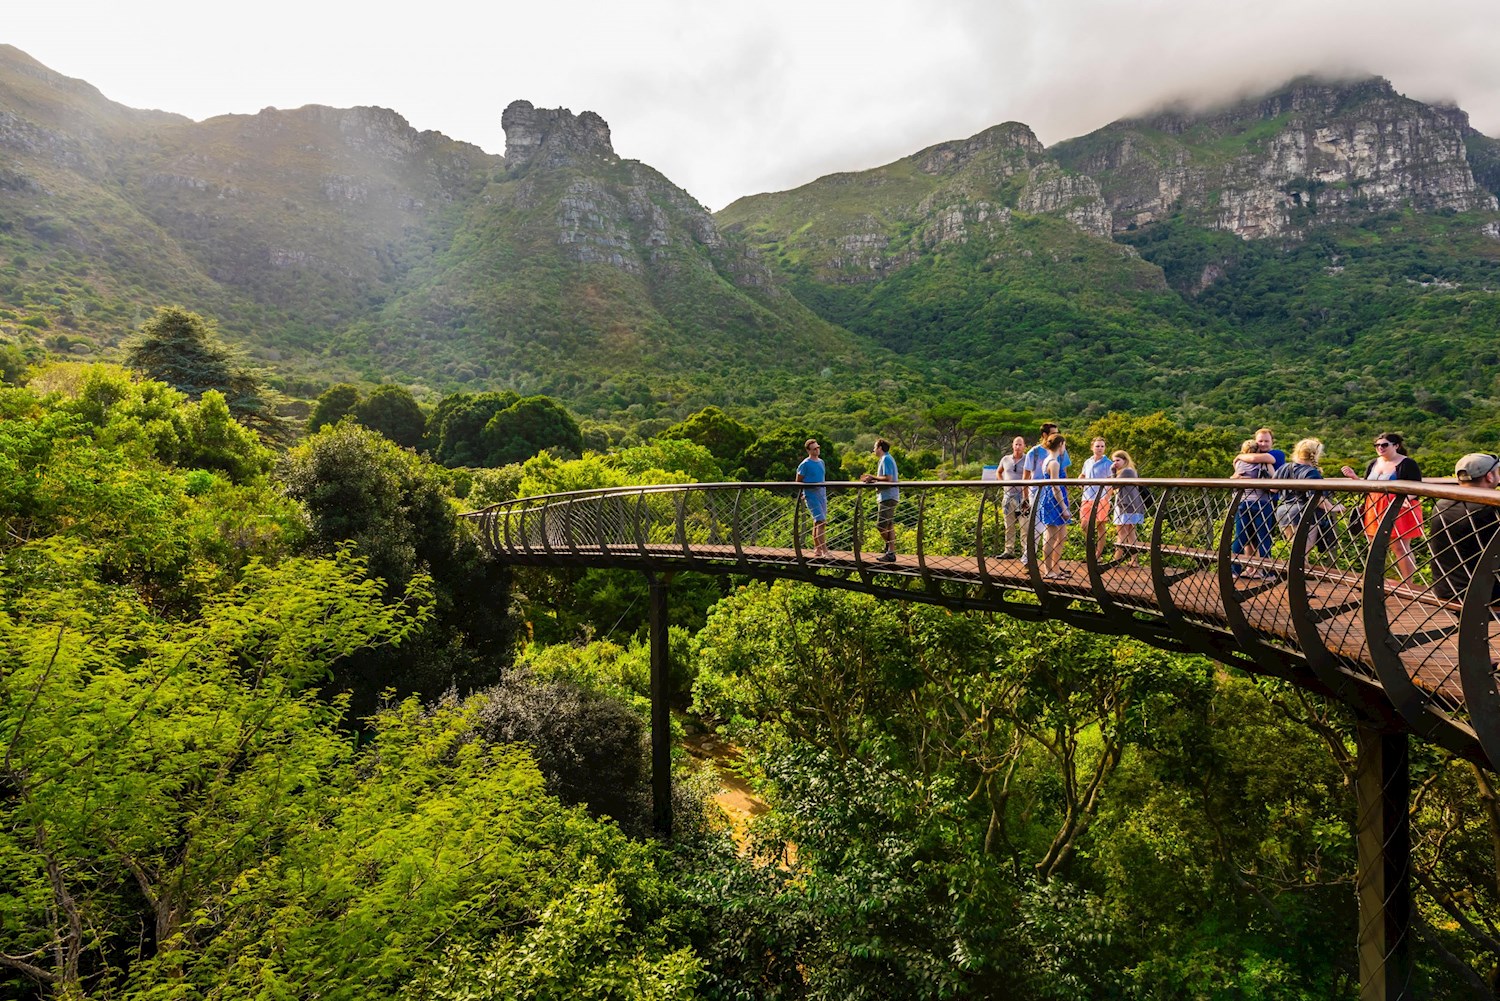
(1461, 529)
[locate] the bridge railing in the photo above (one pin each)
(1350, 580)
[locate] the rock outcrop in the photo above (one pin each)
(1316, 150)
(1014, 143)
(1076, 197)
(552, 137)
(611, 211)
(951, 194)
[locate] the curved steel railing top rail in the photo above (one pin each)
(1354, 592)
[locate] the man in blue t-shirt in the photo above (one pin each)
(1037, 457)
(1264, 440)
(1036, 460)
(809, 471)
(885, 518)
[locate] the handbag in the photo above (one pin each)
(1354, 523)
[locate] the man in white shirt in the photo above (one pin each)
(1095, 502)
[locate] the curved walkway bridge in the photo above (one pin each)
(1324, 593)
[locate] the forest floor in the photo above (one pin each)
(735, 796)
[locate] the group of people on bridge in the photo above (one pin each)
(1459, 529)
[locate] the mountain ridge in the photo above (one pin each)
(340, 244)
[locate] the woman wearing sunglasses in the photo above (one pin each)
(1392, 463)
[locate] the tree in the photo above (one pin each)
(183, 816)
(993, 429)
(214, 440)
(456, 428)
(194, 736)
(14, 361)
(775, 454)
(591, 748)
(363, 491)
(183, 350)
(1162, 447)
(716, 431)
(948, 424)
(394, 412)
(526, 427)
(670, 454)
(334, 404)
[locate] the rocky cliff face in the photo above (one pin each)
(553, 137)
(1076, 197)
(611, 211)
(863, 227)
(572, 259)
(357, 194)
(1314, 151)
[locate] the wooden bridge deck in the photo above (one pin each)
(1387, 645)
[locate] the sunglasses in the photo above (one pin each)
(1382, 444)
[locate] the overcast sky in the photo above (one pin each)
(732, 99)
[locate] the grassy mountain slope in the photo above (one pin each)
(1368, 299)
(937, 257)
(1390, 320)
(78, 260)
(338, 243)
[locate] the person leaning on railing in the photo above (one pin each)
(1461, 530)
(1307, 454)
(1392, 463)
(885, 512)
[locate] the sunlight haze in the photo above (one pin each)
(734, 100)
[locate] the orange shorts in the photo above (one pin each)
(1098, 508)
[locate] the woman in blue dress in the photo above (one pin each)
(1052, 511)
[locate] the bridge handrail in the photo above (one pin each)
(1360, 602)
(1436, 489)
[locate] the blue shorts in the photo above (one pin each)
(817, 503)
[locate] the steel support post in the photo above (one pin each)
(1383, 876)
(661, 720)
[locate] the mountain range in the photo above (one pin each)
(1329, 250)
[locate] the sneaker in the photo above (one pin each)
(886, 558)
(1009, 555)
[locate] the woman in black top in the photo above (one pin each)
(1392, 463)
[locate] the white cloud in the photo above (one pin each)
(729, 100)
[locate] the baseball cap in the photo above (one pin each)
(1474, 466)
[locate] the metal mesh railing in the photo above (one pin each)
(1374, 583)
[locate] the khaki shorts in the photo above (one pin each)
(885, 515)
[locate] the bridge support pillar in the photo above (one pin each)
(661, 719)
(1383, 872)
